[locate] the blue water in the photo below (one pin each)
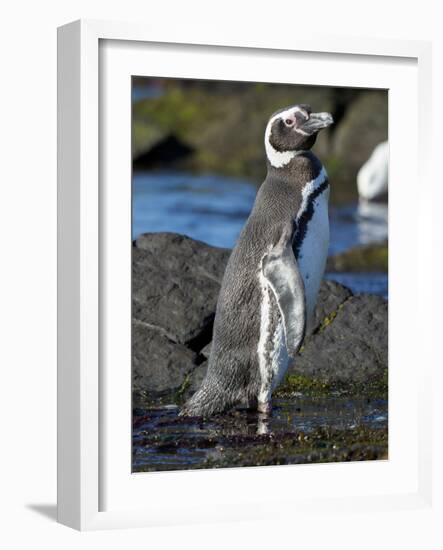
(146, 92)
(209, 208)
(213, 209)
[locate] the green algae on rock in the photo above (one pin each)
(367, 258)
(221, 126)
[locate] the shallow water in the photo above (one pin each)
(214, 209)
(299, 430)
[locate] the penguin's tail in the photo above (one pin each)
(205, 402)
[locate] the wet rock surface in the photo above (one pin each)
(299, 431)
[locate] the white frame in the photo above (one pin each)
(79, 256)
(118, 61)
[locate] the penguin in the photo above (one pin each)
(373, 176)
(269, 289)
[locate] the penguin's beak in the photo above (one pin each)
(316, 122)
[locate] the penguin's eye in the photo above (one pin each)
(289, 122)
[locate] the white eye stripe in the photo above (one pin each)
(281, 158)
(286, 114)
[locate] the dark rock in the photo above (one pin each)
(158, 365)
(176, 281)
(330, 297)
(167, 151)
(175, 285)
(177, 252)
(352, 346)
(195, 379)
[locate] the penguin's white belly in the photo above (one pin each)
(273, 357)
(313, 251)
(272, 352)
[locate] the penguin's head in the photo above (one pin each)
(292, 130)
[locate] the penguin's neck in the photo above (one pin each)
(304, 166)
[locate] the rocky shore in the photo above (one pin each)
(218, 127)
(176, 281)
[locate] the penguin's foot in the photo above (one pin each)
(264, 408)
(262, 424)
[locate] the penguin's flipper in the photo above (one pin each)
(280, 269)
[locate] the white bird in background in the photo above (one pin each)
(372, 178)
